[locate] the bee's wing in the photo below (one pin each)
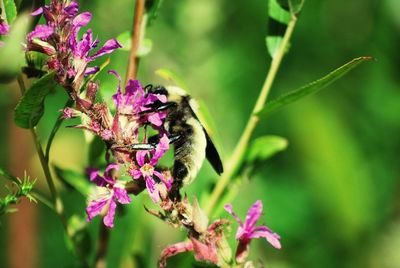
(212, 155)
(211, 152)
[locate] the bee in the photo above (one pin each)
(192, 144)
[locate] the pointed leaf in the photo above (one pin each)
(172, 77)
(74, 180)
(311, 88)
(296, 6)
(277, 12)
(10, 10)
(30, 108)
(265, 147)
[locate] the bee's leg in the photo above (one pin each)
(172, 138)
(142, 146)
(158, 107)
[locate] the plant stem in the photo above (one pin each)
(236, 159)
(135, 40)
(56, 127)
(56, 200)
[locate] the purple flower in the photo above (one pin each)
(107, 193)
(248, 230)
(130, 104)
(147, 171)
(58, 38)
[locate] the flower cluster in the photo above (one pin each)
(58, 38)
(109, 190)
(208, 242)
(120, 131)
(69, 57)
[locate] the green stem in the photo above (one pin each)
(240, 149)
(56, 200)
(56, 127)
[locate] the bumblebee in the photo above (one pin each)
(192, 144)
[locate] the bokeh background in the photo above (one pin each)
(333, 195)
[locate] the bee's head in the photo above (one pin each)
(173, 94)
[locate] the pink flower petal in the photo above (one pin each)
(95, 207)
(229, 209)
(109, 218)
(108, 47)
(253, 215)
(122, 195)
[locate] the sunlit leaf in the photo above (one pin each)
(30, 108)
(312, 87)
(74, 180)
(10, 10)
(11, 54)
(278, 13)
(172, 77)
(145, 47)
(265, 147)
(124, 39)
(273, 43)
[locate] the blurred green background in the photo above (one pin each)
(332, 195)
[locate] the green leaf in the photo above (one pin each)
(8, 176)
(265, 147)
(152, 8)
(30, 108)
(11, 54)
(273, 44)
(278, 13)
(173, 77)
(125, 40)
(10, 10)
(145, 47)
(296, 6)
(96, 151)
(311, 88)
(80, 234)
(73, 180)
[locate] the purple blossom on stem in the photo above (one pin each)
(107, 193)
(58, 38)
(147, 168)
(130, 104)
(248, 230)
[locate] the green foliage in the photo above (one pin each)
(312, 87)
(80, 234)
(96, 152)
(30, 108)
(264, 148)
(10, 10)
(152, 8)
(11, 54)
(74, 180)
